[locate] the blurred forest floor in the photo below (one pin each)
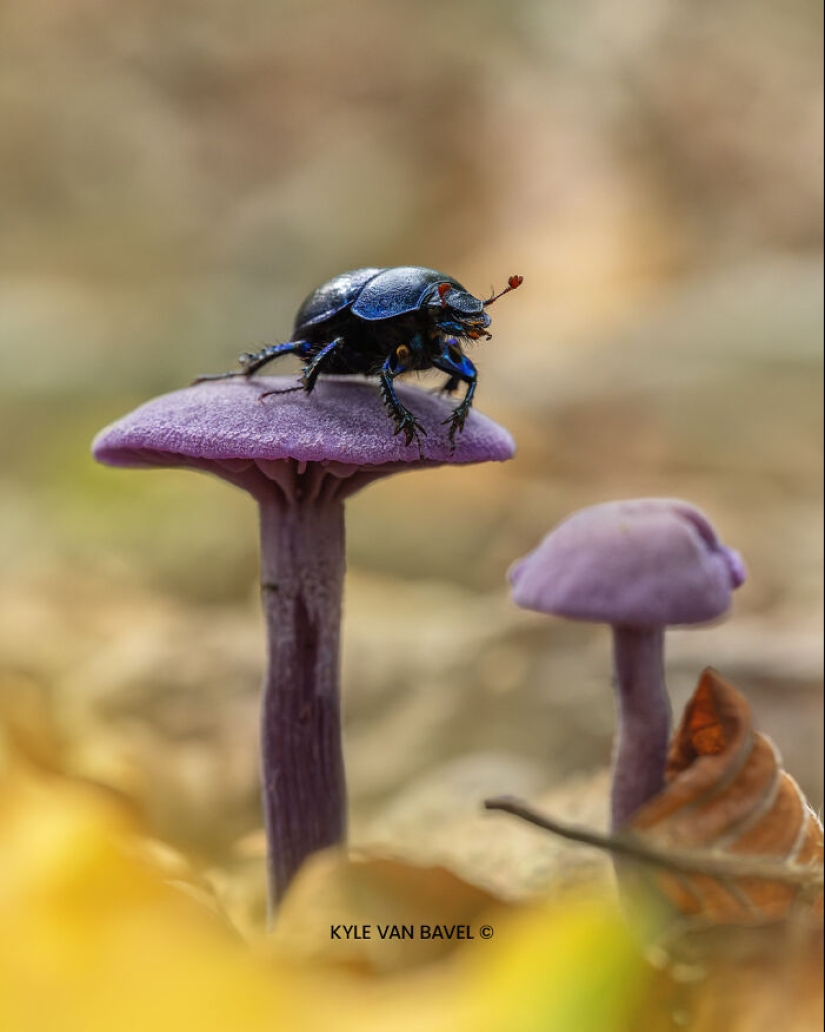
(173, 188)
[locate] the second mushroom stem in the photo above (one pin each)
(643, 716)
(302, 767)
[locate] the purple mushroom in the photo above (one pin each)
(639, 565)
(300, 457)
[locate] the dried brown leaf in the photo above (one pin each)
(726, 792)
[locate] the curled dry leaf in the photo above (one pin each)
(726, 792)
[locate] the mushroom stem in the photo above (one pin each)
(302, 767)
(643, 716)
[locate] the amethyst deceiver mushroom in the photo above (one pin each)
(641, 566)
(300, 457)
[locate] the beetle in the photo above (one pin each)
(385, 322)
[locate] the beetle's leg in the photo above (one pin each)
(405, 421)
(453, 361)
(250, 363)
(312, 370)
(450, 386)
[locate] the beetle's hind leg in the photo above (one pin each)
(251, 363)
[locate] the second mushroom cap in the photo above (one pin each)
(642, 562)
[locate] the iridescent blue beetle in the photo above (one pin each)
(385, 322)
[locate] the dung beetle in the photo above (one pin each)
(385, 322)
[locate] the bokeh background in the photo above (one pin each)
(175, 177)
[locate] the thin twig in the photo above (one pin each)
(691, 861)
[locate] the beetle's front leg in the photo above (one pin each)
(405, 421)
(451, 385)
(453, 361)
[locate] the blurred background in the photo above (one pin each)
(176, 177)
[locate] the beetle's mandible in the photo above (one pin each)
(385, 322)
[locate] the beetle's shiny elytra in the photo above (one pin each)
(385, 322)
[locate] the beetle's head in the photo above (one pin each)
(456, 311)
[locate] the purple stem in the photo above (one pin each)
(302, 767)
(643, 715)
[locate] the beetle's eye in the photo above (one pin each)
(443, 290)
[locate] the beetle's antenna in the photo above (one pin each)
(512, 283)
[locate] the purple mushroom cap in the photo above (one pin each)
(639, 563)
(227, 428)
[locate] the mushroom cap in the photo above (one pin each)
(641, 563)
(227, 428)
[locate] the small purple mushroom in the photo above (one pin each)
(300, 456)
(640, 566)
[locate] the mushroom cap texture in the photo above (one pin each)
(343, 423)
(641, 563)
